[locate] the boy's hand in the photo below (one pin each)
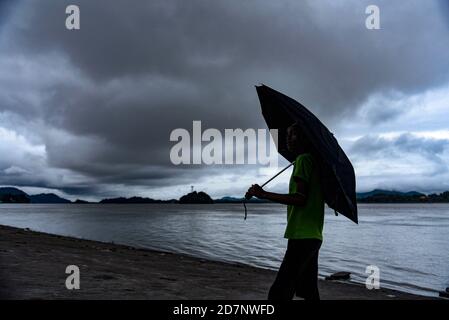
(255, 191)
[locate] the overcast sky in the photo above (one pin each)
(88, 113)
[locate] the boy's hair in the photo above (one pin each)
(295, 126)
(305, 142)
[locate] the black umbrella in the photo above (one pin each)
(336, 172)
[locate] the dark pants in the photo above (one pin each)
(298, 273)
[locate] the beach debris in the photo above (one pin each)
(342, 275)
(169, 279)
(105, 277)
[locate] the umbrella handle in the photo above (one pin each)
(246, 211)
(277, 174)
(268, 181)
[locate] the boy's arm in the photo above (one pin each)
(297, 199)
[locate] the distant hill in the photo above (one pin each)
(386, 196)
(135, 200)
(196, 197)
(11, 191)
(79, 201)
(13, 195)
(442, 197)
(375, 192)
(47, 198)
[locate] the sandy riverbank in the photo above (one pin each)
(32, 266)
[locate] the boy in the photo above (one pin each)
(298, 273)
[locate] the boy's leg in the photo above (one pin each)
(307, 284)
(296, 258)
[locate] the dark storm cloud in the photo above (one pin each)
(5, 7)
(444, 7)
(405, 142)
(385, 107)
(114, 90)
(374, 146)
(320, 52)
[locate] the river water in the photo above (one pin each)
(409, 243)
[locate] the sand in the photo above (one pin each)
(33, 265)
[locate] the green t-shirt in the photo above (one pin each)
(306, 222)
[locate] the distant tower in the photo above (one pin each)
(191, 188)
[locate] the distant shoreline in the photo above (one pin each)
(15, 195)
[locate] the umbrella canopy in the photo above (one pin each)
(336, 171)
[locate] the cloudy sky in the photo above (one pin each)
(88, 113)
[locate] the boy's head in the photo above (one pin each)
(296, 141)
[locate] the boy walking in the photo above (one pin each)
(298, 273)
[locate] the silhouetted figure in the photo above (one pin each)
(298, 273)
